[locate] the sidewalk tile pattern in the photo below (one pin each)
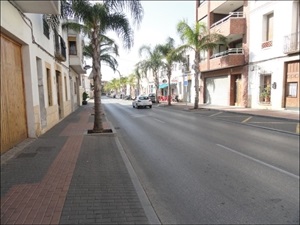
(68, 177)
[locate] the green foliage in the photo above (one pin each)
(85, 96)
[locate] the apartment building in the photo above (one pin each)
(224, 71)
(40, 83)
(274, 54)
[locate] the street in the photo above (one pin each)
(197, 170)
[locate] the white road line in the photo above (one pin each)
(159, 120)
(215, 114)
(261, 162)
(244, 121)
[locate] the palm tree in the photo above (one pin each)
(153, 62)
(108, 48)
(131, 81)
(97, 19)
(171, 55)
(198, 39)
(138, 77)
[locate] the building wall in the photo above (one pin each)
(269, 60)
(37, 58)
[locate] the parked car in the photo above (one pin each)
(152, 97)
(142, 101)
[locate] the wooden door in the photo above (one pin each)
(292, 91)
(13, 112)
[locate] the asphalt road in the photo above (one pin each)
(199, 170)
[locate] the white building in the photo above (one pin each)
(40, 83)
(274, 54)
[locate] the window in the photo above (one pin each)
(46, 29)
(72, 48)
(203, 55)
(49, 87)
(268, 30)
(292, 89)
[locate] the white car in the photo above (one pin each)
(142, 101)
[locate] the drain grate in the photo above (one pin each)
(26, 155)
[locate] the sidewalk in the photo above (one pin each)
(284, 114)
(68, 177)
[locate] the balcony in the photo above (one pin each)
(230, 58)
(39, 7)
(60, 48)
(291, 43)
(233, 24)
(77, 64)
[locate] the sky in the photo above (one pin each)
(159, 23)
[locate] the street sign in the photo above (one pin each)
(185, 82)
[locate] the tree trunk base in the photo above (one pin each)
(100, 131)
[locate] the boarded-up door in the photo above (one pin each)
(13, 113)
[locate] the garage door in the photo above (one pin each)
(12, 113)
(217, 90)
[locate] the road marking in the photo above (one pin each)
(215, 114)
(159, 120)
(244, 121)
(275, 122)
(137, 115)
(261, 162)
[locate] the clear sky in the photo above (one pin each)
(159, 22)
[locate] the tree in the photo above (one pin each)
(153, 62)
(131, 81)
(108, 48)
(171, 55)
(97, 19)
(198, 39)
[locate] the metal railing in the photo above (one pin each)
(60, 47)
(231, 51)
(231, 15)
(291, 43)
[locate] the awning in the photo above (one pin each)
(164, 85)
(161, 86)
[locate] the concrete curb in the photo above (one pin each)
(149, 211)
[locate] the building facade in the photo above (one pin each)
(274, 54)
(224, 71)
(40, 85)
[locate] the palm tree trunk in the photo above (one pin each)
(156, 86)
(197, 72)
(98, 126)
(169, 88)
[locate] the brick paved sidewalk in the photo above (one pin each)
(68, 177)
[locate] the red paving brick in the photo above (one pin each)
(42, 203)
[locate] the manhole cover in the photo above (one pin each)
(26, 155)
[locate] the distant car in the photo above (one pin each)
(142, 101)
(152, 97)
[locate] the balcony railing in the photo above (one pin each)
(60, 48)
(228, 52)
(291, 43)
(231, 15)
